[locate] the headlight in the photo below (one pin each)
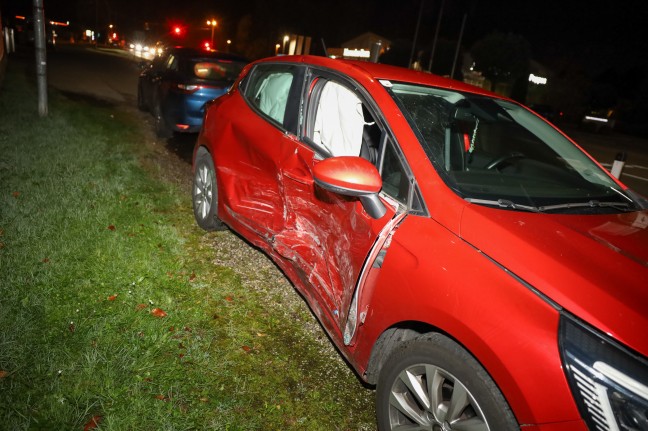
(609, 382)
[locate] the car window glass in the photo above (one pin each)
(217, 70)
(493, 150)
(339, 120)
(172, 62)
(269, 90)
(395, 181)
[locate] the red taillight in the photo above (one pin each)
(188, 89)
(182, 126)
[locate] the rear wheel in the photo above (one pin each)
(432, 383)
(205, 193)
(161, 128)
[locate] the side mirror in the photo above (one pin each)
(352, 176)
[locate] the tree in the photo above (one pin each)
(502, 58)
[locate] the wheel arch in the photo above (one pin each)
(201, 147)
(399, 333)
(393, 337)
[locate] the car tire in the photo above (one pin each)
(161, 129)
(417, 383)
(205, 193)
(141, 104)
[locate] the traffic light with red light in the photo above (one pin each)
(178, 30)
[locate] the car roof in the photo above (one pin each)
(187, 52)
(378, 71)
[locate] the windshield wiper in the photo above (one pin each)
(589, 204)
(504, 203)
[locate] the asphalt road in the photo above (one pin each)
(110, 75)
(102, 73)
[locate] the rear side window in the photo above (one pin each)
(217, 70)
(274, 89)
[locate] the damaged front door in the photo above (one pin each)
(327, 236)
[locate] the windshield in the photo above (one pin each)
(494, 152)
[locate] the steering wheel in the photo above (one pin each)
(493, 164)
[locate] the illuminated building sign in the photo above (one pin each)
(537, 79)
(356, 53)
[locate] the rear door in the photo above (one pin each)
(250, 170)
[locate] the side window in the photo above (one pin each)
(339, 120)
(275, 91)
(395, 180)
(172, 63)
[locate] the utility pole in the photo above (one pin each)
(418, 24)
(41, 56)
(454, 63)
(436, 36)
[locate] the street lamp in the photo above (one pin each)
(212, 23)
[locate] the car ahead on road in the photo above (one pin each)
(174, 87)
(599, 120)
(463, 254)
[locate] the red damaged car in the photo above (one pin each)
(464, 255)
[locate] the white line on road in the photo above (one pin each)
(635, 176)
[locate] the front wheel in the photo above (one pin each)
(141, 103)
(432, 383)
(205, 193)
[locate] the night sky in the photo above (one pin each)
(602, 32)
(606, 40)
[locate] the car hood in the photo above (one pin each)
(594, 266)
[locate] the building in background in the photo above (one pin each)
(359, 48)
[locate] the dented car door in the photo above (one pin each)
(327, 236)
(250, 170)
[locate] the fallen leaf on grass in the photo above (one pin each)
(161, 398)
(246, 349)
(92, 423)
(112, 297)
(111, 227)
(15, 194)
(158, 312)
(141, 307)
(192, 277)
(46, 260)
(3, 374)
(229, 298)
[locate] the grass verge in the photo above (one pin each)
(117, 313)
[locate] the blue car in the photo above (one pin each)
(175, 86)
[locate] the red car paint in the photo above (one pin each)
(494, 280)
